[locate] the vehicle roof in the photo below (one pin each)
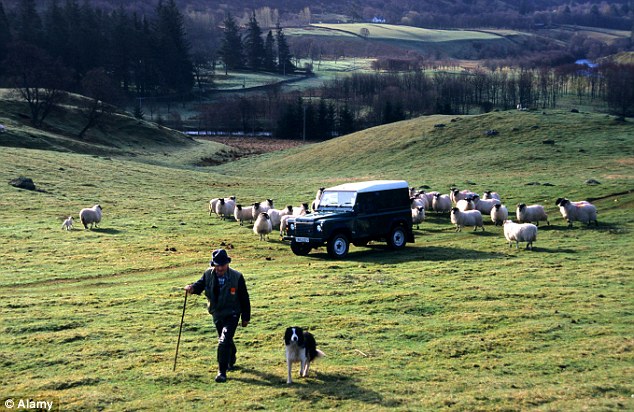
(371, 186)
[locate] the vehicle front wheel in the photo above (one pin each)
(300, 249)
(397, 238)
(338, 246)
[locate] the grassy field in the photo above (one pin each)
(456, 321)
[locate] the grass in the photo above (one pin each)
(454, 321)
(407, 33)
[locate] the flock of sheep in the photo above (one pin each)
(465, 207)
(88, 216)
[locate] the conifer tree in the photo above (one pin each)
(231, 48)
(5, 37)
(254, 45)
(284, 56)
(269, 52)
(172, 48)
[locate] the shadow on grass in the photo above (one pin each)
(382, 254)
(108, 231)
(318, 386)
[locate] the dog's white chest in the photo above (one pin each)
(294, 353)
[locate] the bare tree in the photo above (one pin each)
(102, 91)
(37, 78)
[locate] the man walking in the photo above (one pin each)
(228, 301)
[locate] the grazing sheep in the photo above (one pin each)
(418, 215)
(485, 205)
(68, 223)
(275, 215)
(90, 216)
(419, 202)
(582, 211)
(315, 203)
(532, 213)
(243, 213)
(466, 218)
(225, 207)
(520, 232)
(499, 214)
(580, 202)
(260, 207)
(263, 226)
(491, 195)
(465, 204)
(441, 203)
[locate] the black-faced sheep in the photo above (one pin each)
(90, 216)
(466, 218)
(243, 213)
(441, 203)
(578, 211)
(520, 232)
(315, 204)
(465, 204)
(488, 194)
(499, 214)
(532, 213)
(225, 207)
(263, 226)
(485, 205)
(418, 215)
(261, 207)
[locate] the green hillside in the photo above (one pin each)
(456, 321)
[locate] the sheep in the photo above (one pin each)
(212, 205)
(582, 211)
(418, 202)
(465, 204)
(315, 203)
(499, 214)
(532, 213)
(225, 207)
(243, 213)
(455, 195)
(418, 215)
(441, 203)
(262, 226)
(301, 210)
(520, 232)
(284, 224)
(580, 202)
(90, 216)
(488, 194)
(68, 223)
(485, 205)
(466, 218)
(276, 216)
(260, 207)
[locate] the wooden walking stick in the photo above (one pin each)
(179, 332)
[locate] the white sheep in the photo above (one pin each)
(465, 204)
(212, 205)
(499, 214)
(225, 207)
(580, 211)
(68, 223)
(419, 201)
(261, 207)
(315, 204)
(485, 205)
(466, 218)
(284, 224)
(532, 213)
(90, 216)
(488, 194)
(455, 195)
(441, 203)
(301, 210)
(520, 232)
(243, 213)
(276, 216)
(418, 215)
(262, 226)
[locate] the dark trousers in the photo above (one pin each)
(226, 348)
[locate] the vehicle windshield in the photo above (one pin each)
(337, 199)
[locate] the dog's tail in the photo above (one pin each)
(320, 354)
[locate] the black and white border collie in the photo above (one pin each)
(300, 347)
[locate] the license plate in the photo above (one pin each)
(301, 239)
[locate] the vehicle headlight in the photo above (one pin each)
(292, 226)
(319, 227)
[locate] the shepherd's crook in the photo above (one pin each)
(179, 332)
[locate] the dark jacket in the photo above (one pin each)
(232, 299)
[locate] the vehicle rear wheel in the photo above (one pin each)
(397, 238)
(300, 249)
(338, 246)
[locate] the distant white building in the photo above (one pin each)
(377, 19)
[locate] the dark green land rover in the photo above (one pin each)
(355, 213)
